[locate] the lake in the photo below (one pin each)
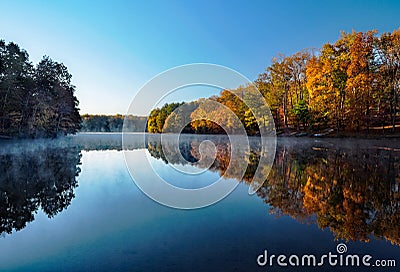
(71, 205)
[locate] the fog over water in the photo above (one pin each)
(70, 203)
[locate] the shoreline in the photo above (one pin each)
(293, 135)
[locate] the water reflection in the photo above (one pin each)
(33, 178)
(351, 187)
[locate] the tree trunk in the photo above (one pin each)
(394, 110)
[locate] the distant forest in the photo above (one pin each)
(35, 101)
(351, 85)
(112, 123)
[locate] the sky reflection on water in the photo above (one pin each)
(111, 225)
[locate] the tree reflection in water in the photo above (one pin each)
(350, 187)
(36, 178)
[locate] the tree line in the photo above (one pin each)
(350, 85)
(112, 123)
(205, 116)
(35, 101)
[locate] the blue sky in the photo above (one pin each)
(112, 48)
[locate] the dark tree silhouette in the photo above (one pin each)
(35, 101)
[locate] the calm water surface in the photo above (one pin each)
(71, 205)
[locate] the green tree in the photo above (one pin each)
(301, 113)
(158, 117)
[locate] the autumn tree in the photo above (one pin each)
(351, 84)
(360, 77)
(326, 81)
(283, 85)
(214, 118)
(280, 82)
(179, 121)
(388, 58)
(158, 116)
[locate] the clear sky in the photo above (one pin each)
(112, 48)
